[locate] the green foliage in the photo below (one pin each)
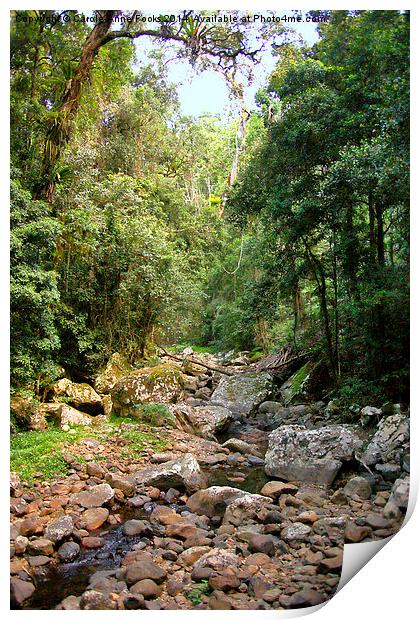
(201, 589)
(329, 185)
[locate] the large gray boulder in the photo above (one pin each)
(204, 422)
(242, 394)
(391, 441)
(182, 473)
(316, 456)
(156, 384)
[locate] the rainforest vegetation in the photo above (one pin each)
(134, 226)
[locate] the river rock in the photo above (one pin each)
(144, 569)
(20, 590)
(92, 600)
(214, 500)
(316, 456)
(355, 533)
(275, 414)
(136, 527)
(40, 546)
(147, 588)
(242, 394)
(400, 492)
(93, 518)
(358, 486)
(369, 415)
(237, 445)
(31, 525)
(307, 597)
(68, 551)
(275, 488)
(261, 543)
(296, 532)
(191, 555)
(219, 601)
(183, 472)
(116, 481)
(93, 498)
(204, 422)
(245, 508)
(59, 529)
(158, 384)
(68, 416)
(390, 442)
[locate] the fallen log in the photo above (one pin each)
(282, 364)
(194, 361)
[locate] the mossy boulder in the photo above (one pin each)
(156, 384)
(80, 395)
(293, 391)
(116, 368)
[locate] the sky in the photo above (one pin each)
(207, 92)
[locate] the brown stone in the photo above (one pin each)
(257, 559)
(191, 555)
(144, 569)
(31, 525)
(181, 530)
(276, 488)
(355, 533)
(308, 516)
(331, 565)
(219, 600)
(92, 542)
(40, 546)
(225, 582)
(165, 516)
(93, 498)
(377, 522)
(147, 588)
(20, 590)
(93, 518)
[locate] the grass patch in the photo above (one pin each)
(34, 452)
(39, 452)
(138, 439)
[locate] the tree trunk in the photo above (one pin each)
(380, 236)
(60, 131)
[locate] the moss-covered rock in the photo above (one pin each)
(116, 368)
(80, 395)
(157, 384)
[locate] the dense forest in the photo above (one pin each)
(133, 225)
(209, 312)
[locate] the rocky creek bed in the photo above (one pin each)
(252, 515)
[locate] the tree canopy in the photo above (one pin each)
(132, 224)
